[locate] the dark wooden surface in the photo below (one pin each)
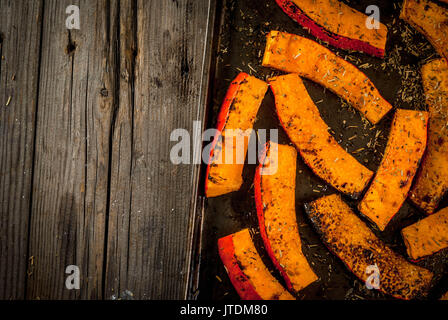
(19, 69)
(85, 123)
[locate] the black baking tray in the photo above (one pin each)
(238, 45)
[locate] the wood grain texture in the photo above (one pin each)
(122, 135)
(152, 201)
(76, 104)
(20, 26)
(91, 112)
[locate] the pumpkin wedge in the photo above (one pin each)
(390, 187)
(301, 120)
(247, 272)
(427, 236)
(292, 53)
(345, 27)
(429, 19)
(237, 115)
(276, 210)
(349, 238)
(432, 180)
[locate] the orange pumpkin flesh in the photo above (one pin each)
(429, 19)
(427, 236)
(275, 201)
(292, 53)
(301, 120)
(357, 246)
(238, 112)
(345, 27)
(432, 180)
(247, 272)
(390, 187)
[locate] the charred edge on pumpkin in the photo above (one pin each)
(425, 199)
(309, 208)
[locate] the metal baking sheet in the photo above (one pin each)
(239, 44)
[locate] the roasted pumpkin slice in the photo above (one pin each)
(334, 22)
(349, 238)
(429, 19)
(432, 180)
(292, 53)
(301, 120)
(236, 117)
(247, 272)
(276, 209)
(427, 236)
(390, 187)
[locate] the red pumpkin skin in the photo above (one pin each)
(260, 214)
(338, 41)
(239, 280)
(223, 116)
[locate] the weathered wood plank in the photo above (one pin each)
(76, 103)
(151, 211)
(20, 26)
(120, 184)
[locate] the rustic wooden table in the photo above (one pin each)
(85, 123)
